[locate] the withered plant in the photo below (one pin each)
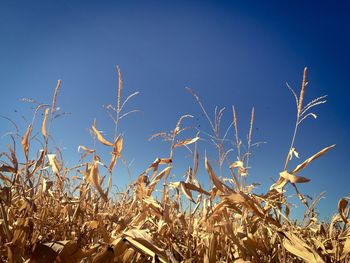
(54, 213)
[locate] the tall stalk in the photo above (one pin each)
(299, 107)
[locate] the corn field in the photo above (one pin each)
(54, 213)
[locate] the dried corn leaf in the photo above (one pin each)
(39, 162)
(7, 168)
(154, 205)
(117, 149)
(100, 137)
(298, 247)
(186, 192)
(195, 188)
(235, 197)
(342, 204)
(5, 195)
(216, 181)
(294, 178)
(309, 160)
(143, 242)
(85, 149)
(55, 165)
(23, 228)
(112, 163)
(281, 182)
(60, 252)
(47, 185)
(196, 162)
(13, 159)
(186, 142)
(43, 126)
(118, 145)
(70, 253)
(25, 141)
(240, 260)
(141, 186)
(94, 178)
(155, 164)
(156, 179)
(346, 248)
(91, 224)
(237, 164)
(212, 248)
(128, 255)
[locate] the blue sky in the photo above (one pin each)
(238, 54)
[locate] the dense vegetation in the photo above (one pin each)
(54, 213)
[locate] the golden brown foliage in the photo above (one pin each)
(53, 213)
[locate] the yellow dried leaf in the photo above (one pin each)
(43, 126)
(156, 179)
(94, 178)
(112, 163)
(39, 162)
(186, 192)
(46, 185)
(346, 248)
(55, 165)
(100, 137)
(25, 141)
(70, 253)
(196, 163)
(128, 255)
(237, 164)
(282, 181)
(195, 188)
(219, 185)
(279, 184)
(298, 247)
(153, 204)
(117, 149)
(235, 197)
(240, 260)
(212, 248)
(92, 224)
(85, 149)
(294, 178)
(118, 145)
(142, 241)
(309, 160)
(186, 142)
(342, 204)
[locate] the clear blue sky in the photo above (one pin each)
(231, 54)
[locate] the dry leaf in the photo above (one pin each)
(43, 126)
(156, 179)
(299, 248)
(94, 178)
(219, 185)
(143, 242)
(237, 164)
(186, 142)
(25, 141)
(309, 160)
(342, 204)
(55, 165)
(100, 137)
(294, 178)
